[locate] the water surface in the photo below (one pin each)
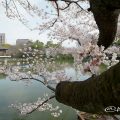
(12, 92)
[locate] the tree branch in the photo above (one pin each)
(68, 2)
(76, 40)
(94, 94)
(41, 104)
(48, 86)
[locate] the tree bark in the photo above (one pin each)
(106, 16)
(97, 93)
(94, 94)
(111, 3)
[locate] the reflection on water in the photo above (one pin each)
(75, 75)
(16, 91)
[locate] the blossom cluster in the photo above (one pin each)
(90, 58)
(27, 108)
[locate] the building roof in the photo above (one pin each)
(1, 49)
(22, 41)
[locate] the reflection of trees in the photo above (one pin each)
(2, 76)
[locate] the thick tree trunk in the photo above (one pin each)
(106, 17)
(111, 3)
(97, 93)
(94, 94)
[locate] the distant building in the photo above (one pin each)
(22, 41)
(2, 38)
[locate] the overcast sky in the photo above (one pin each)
(14, 29)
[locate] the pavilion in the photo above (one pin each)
(3, 51)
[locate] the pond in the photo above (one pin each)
(12, 92)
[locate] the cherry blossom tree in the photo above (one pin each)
(71, 20)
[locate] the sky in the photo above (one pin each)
(14, 29)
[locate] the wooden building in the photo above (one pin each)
(3, 51)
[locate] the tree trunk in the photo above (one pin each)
(114, 4)
(94, 94)
(106, 17)
(97, 93)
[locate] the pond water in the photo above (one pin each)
(12, 92)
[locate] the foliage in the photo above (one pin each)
(62, 58)
(37, 45)
(2, 75)
(117, 43)
(6, 46)
(51, 44)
